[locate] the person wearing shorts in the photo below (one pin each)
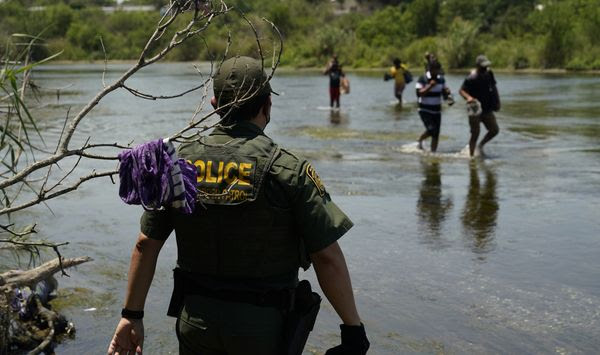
(335, 73)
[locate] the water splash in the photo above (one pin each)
(413, 148)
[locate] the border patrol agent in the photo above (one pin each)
(262, 214)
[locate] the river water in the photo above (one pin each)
(448, 255)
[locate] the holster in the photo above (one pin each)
(301, 318)
(178, 295)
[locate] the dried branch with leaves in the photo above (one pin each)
(23, 185)
(31, 173)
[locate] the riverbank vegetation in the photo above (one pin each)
(515, 34)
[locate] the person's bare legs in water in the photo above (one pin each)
(398, 90)
(489, 121)
(434, 141)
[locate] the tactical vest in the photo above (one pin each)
(240, 233)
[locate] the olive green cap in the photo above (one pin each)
(238, 78)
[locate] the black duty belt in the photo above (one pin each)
(185, 285)
(282, 299)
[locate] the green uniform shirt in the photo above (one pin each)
(318, 220)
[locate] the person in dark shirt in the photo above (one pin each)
(335, 72)
(480, 85)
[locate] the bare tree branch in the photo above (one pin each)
(105, 62)
(8, 228)
(163, 97)
(63, 150)
(43, 196)
(37, 175)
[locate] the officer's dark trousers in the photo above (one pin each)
(209, 326)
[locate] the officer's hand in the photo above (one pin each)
(354, 341)
(128, 338)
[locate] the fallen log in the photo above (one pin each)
(19, 278)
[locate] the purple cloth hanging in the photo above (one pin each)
(152, 176)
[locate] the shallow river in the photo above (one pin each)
(448, 255)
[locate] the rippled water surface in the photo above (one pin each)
(447, 255)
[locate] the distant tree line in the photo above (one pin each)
(513, 33)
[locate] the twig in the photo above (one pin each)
(33, 244)
(62, 131)
(8, 229)
(42, 196)
(63, 150)
(163, 97)
(105, 62)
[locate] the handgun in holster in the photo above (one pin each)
(178, 295)
(301, 319)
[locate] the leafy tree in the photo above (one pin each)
(385, 28)
(460, 43)
(589, 15)
(423, 17)
(470, 10)
(554, 22)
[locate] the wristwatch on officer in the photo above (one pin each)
(129, 314)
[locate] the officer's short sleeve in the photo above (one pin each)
(156, 224)
(320, 220)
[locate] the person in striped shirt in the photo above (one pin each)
(431, 89)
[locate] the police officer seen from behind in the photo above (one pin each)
(266, 214)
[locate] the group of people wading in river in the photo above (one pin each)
(478, 89)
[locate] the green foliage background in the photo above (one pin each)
(513, 33)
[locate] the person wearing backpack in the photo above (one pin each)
(480, 85)
(401, 75)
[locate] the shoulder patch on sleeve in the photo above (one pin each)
(312, 174)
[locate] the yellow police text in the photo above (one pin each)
(214, 172)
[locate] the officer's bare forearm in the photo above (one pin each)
(141, 271)
(334, 279)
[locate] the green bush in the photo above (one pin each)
(509, 53)
(577, 64)
(595, 64)
(415, 52)
(460, 45)
(422, 17)
(554, 22)
(385, 28)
